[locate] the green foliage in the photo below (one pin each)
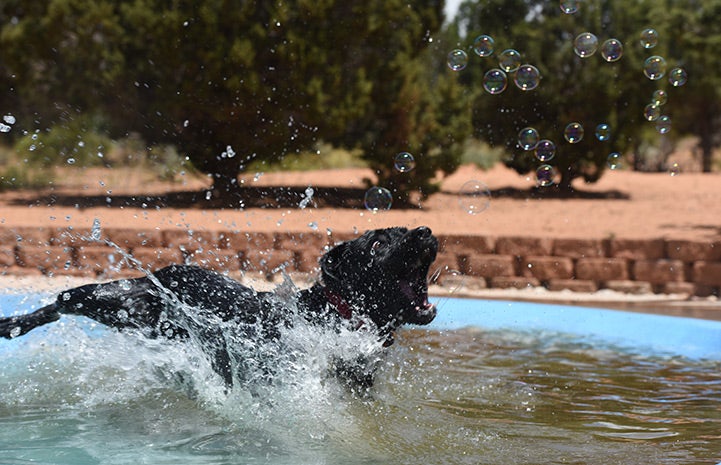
(325, 157)
(268, 80)
(78, 142)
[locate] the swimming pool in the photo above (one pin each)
(490, 382)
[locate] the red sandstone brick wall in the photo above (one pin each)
(584, 265)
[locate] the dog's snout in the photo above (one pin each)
(424, 232)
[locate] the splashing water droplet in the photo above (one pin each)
(96, 232)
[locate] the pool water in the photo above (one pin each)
(513, 391)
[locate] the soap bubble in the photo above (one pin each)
(528, 138)
(474, 197)
(614, 160)
(651, 112)
(509, 60)
(585, 44)
(663, 125)
(677, 77)
(495, 81)
(654, 67)
(649, 38)
(611, 50)
(457, 59)
(527, 77)
(545, 150)
(545, 175)
(660, 97)
(674, 169)
(573, 132)
(378, 198)
(483, 45)
(404, 162)
(570, 6)
(603, 132)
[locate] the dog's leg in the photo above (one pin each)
(15, 326)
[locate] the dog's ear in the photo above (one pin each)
(331, 261)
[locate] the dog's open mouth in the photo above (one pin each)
(415, 288)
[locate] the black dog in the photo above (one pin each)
(377, 280)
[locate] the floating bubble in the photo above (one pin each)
(654, 67)
(573, 133)
(612, 50)
(528, 138)
(614, 160)
(651, 112)
(677, 77)
(404, 162)
(545, 174)
(509, 60)
(569, 7)
(474, 197)
(545, 150)
(663, 124)
(495, 81)
(457, 59)
(483, 45)
(674, 169)
(527, 77)
(660, 97)
(378, 198)
(585, 44)
(649, 38)
(603, 132)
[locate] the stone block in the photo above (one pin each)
(524, 246)
(488, 266)
(658, 271)
(602, 269)
(637, 249)
(580, 248)
(545, 268)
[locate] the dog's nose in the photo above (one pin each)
(424, 232)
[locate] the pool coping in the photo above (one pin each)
(680, 305)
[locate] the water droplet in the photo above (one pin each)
(677, 77)
(15, 332)
(208, 195)
(457, 59)
(585, 44)
(569, 7)
(649, 38)
(651, 112)
(9, 119)
(404, 162)
(527, 77)
(612, 50)
(122, 315)
(674, 169)
(483, 45)
(603, 132)
(495, 81)
(614, 160)
(660, 97)
(663, 125)
(313, 225)
(573, 133)
(71, 161)
(545, 175)
(474, 197)
(124, 284)
(654, 67)
(5, 128)
(509, 60)
(545, 150)
(95, 233)
(528, 138)
(378, 198)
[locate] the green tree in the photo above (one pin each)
(588, 90)
(228, 82)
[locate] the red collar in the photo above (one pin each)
(339, 303)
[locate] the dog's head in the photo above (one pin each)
(382, 275)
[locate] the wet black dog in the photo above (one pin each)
(377, 280)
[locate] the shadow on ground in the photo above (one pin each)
(273, 197)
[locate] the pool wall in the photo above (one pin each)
(581, 265)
